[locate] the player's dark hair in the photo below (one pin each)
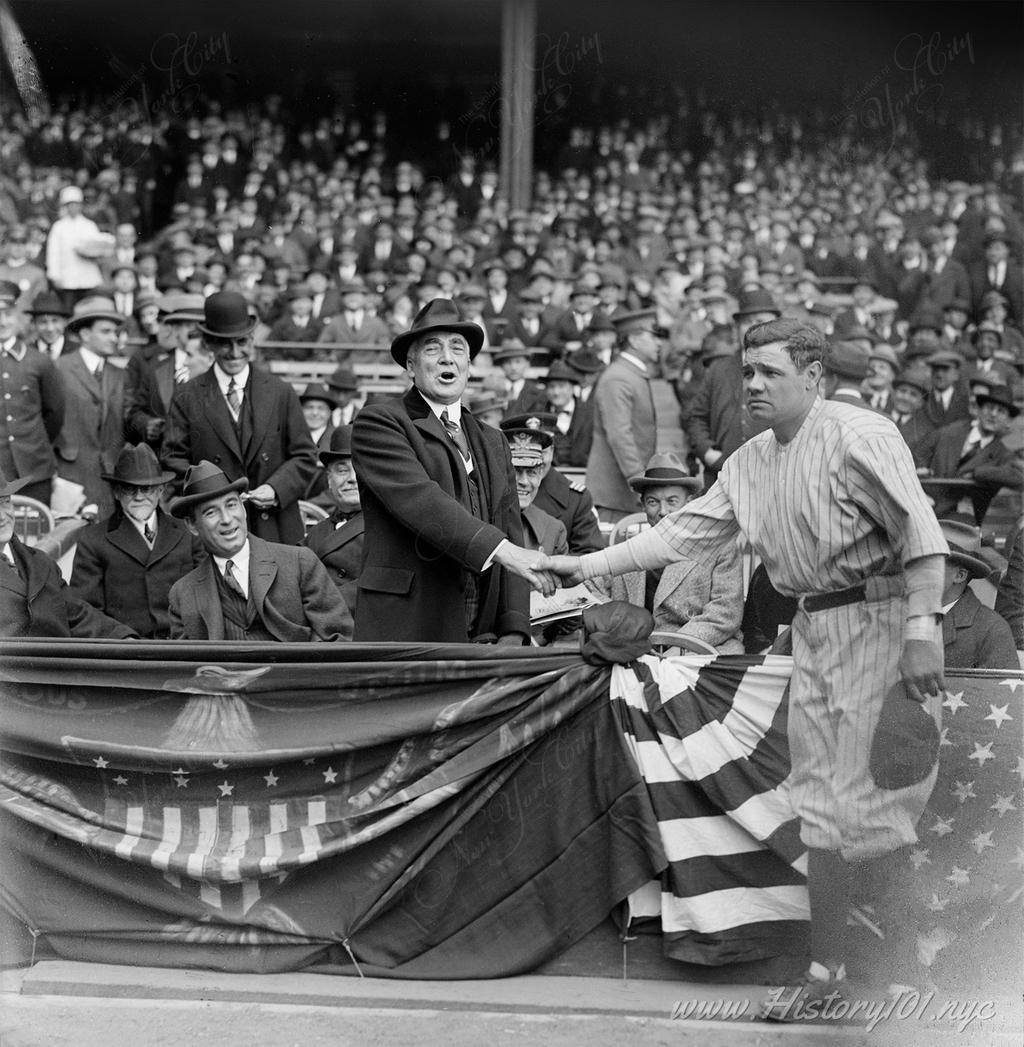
(804, 343)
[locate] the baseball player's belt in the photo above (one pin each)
(823, 601)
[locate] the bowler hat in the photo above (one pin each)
(9, 487)
(440, 314)
(319, 391)
(757, 301)
(662, 470)
(998, 394)
(560, 371)
(905, 746)
(202, 483)
(9, 292)
(847, 360)
(47, 303)
(89, 310)
(226, 315)
(341, 445)
(137, 467)
(964, 541)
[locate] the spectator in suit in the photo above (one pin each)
(488, 409)
(522, 393)
(93, 432)
(244, 420)
(338, 540)
(501, 306)
(973, 636)
(528, 327)
(883, 366)
(441, 559)
(844, 369)
(34, 599)
(298, 324)
(125, 565)
(318, 404)
(949, 399)
(49, 317)
(974, 450)
(574, 418)
(625, 427)
(570, 329)
(704, 601)
(32, 412)
(987, 340)
(994, 311)
(946, 279)
(909, 391)
(999, 272)
(354, 324)
(155, 371)
(248, 588)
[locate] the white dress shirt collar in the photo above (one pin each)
(241, 562)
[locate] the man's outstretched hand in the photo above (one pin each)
(567, 568)
(528, 564)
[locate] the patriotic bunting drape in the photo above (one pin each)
(434, 812)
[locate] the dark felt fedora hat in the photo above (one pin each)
(664, 469)
(226, 315)
(9, 292)
(137, 466)
(344, 379)
(47, 303)
(999, 394)
(341, 445)
(319, 391)
(439, 314)
(905, 746)
(560, 371)
(203, 482)
(847, 360)
(964, 541)
(756, 301)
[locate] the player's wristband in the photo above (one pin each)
(921, 627)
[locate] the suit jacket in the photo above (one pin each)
(421, 537)
(717, 417)
(625, 434)
(93, 430)
(991, 467)
(915, 433)
(285, 329)
(975, 637)
(558, 498)
(315, 490)
(372, 331)
(273, 446)
(515, 331)
(700, 600)
(294, 597)
(32, 393)
(953, 282)
(1012, 287)
(117, 573)
(39, 603)
(959, 406)
(543, 531)
(340, 549)
(149, 387)
(573, 448)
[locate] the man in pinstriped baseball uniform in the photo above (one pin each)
(829, 499)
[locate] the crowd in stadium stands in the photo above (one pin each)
(682, 230)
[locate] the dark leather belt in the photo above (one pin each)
(839, 598)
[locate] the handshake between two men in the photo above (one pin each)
(544, 573)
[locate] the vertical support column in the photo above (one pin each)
(518, 46)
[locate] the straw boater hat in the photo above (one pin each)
(663, 470)
(202, 483)
(137, 467)
(440, 314)
(89, 310)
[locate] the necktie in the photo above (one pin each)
(231, 580)
(149, 534)
(458, 437)
(234, 400)
(9, 557)
(180, 375)
(98, 370)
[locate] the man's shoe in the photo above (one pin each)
(820, 989)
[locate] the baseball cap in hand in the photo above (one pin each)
(905, 747)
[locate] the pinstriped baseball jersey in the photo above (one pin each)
(838, 503)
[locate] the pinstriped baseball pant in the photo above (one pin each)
(845, 659)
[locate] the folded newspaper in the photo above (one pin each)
(563, 603)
